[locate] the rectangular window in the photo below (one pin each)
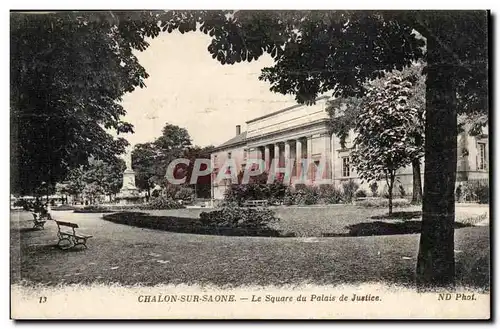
(229, 155)
(481, 156)
(346, 168)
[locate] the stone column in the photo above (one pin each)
(298, 155)
(309, 159)
(327, 155)
(276, 155)
(267, 154)
(287, 150)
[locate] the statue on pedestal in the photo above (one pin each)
(129, 194)
(128, 160)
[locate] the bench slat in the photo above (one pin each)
(83, 236)
(73, 225)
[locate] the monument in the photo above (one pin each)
(129, 194)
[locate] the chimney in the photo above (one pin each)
(238, 130)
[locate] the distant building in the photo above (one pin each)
(302, 132)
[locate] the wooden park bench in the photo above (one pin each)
(39, 220)
(256, 203)
(69, 239)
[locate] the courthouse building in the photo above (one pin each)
(302, 132)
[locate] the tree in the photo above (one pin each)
(384, 141)
(104, 177)
(150, 160)
(92, 191)
(173, 142)
(74, 183)
(113, 175)
(144, 163)
(68, 73)
(203, 184)
(344, 113)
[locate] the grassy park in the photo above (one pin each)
(331, 245)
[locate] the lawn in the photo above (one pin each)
(130, 255)
(334, 220)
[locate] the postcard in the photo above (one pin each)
(239, 164)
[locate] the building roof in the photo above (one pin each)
(241, 138)
(284, 110)
(234, 141)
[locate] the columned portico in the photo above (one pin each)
(313, 149)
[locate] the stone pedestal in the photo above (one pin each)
(129, 194)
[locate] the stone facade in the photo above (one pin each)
(301, 133)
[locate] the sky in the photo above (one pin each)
(188, 88)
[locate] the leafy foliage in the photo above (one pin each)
(162, 202)
(306, 195)
(349, 189)
(256, 189)
(185, 193)
(360, 194)
(374, 188)
(384, 142)
(69, 71)
(144, 163)
(150, 161)
(473, 191)
(330, 194)
(344, 112)
(95, 179)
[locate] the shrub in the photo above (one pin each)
(239, 193)
(330, 194)
(93, 209)
(349, 188)
(252, 220)
(162, 202)
(155, 193)
(483, 194)
(170, 190)
(383, 203)
(306, 195)
(185, 193)
(476, 191)
(360, 194)
(27, 205)
(275, 192)
(374, 189)
(289, 198)
(235, 194)
(63, 207)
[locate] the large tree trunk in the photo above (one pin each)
(436, 261)
(390, 200)
(390, 187)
